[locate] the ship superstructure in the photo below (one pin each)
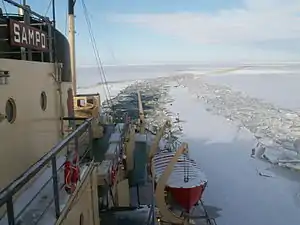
(36, 89)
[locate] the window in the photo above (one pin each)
(80, 102)
(11, 110)
(43, 101)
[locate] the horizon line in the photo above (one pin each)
(189, 63)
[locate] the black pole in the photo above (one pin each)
(71, 4)
(53, 13)
(54, 29)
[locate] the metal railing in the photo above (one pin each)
(30, 18)
(23, 201)
(14, 3)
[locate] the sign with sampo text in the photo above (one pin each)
(26, 36)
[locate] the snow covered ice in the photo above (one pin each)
(241, 189)
(274, 126)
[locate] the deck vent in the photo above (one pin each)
(4, 75)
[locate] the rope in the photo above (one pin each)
(48, 8)
(4, 7)
(97, 55)
(68, 176)
(66, 21)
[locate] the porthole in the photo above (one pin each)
(11, 110)
(81, 219)
(43, 101)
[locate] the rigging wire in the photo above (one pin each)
(96, 52)
(4, 7)
(48, 8)
(97, 55)
(66, 21)
(99, 70)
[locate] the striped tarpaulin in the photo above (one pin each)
(184, 167)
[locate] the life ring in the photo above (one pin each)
(71, 173)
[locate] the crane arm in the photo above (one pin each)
(157, 138)
(141, 114)
(166, 213)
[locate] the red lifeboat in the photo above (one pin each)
(186, 182)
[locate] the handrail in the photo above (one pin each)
(43, 23)
(7, 194)
(16, 185)
(45, 19)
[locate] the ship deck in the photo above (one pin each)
(140, 192)
(35, 204)
(126, 216)
(141, 198)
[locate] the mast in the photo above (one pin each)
(71, 4)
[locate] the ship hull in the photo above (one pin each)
(187, 197)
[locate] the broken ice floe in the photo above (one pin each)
(277, 128)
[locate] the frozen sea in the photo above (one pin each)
(224, 114)
(234, 184)
(278, 84)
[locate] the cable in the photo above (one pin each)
(98, 59)
(96, 52)
(48, 8)
(4, 7)
(99, 68)
(66, 21)
(99, 62)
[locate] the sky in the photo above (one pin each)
(184, 31)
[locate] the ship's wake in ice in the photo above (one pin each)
(275, 128)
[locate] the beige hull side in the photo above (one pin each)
(34, 131)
